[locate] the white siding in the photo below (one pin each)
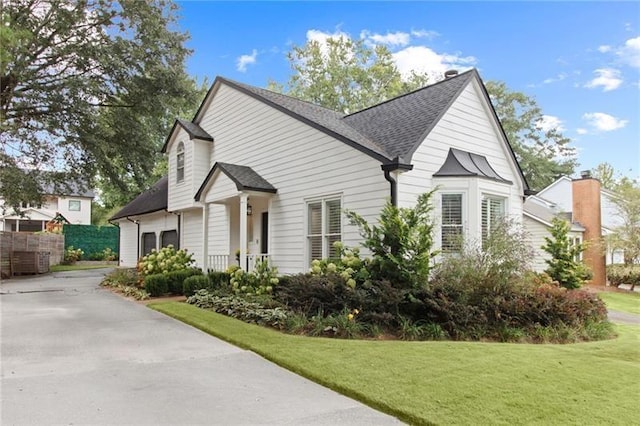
(560, 192)
(196, 166)
(82, 217)
(191, 238)
(153, 222)
(220, 187)
(300, 161)
(468, 125)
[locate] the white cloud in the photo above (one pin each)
(321, 37)
(550, 122)
(555, 79)
(245, 60)
(604, 122)
(604, 48)
(424, 59)
(581, 131)
(608, 78)
(398, 38)
(630, 52)
(424, 34)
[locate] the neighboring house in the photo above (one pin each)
(590, 209)
(269, 176)
(73, 203)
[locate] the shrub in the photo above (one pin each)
(121, 276)
(401, 245)
(194, 283)
(72, 255)
(175, 279)
(166, 260)
(563, 265)
(624, 274)
(156, 285)
(219, 279)
(312, 293)
(261, 280)
(239, 308)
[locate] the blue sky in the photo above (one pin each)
(579, 60)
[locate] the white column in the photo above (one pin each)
(17, 225)
(205, 237)
(243, 230)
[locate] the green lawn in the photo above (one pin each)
(623, 302)
(65, 268)
(455, 382)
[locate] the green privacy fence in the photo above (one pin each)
(91, 239)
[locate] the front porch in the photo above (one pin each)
(240, 231)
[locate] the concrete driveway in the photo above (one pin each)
(73, 353)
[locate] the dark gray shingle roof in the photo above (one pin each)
(195, 131)
(462, 163)
(152, 200)
(401, 124)
(245, 178)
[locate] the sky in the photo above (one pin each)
(579, 60)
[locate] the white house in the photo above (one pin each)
(267, 175)
(73, 203)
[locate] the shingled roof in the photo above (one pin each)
(245, 178)
(193, 130)
(152, 200)
(462, 163)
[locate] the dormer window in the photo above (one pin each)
(180, 163)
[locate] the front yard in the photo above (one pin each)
(455, 382)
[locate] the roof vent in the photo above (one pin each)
(450, 73)
(585, 174)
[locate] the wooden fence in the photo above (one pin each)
(26, 242)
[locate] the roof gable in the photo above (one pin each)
(193, 130)
(245, 179)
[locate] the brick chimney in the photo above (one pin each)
(587, 211)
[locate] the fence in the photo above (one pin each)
(91, 239)
(26, 242)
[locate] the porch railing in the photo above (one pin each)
(220, 262)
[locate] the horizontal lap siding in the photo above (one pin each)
(181, 194)
(154, 222)
(218, 230)
(300, 161)
(192, 234)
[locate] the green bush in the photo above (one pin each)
(623, 274)
(194, 283)
(261, 280)
(563, 265)
(126, 277)
(156, 285)
(72, 255)
(309, 293)
(219, 279)
(166, 260)
(175, 279)
(239, 308)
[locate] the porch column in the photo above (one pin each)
(243, 231)
(205, 237)
(17, 225)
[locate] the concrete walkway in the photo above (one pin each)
(73, 353)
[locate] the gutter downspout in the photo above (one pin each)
(138, 239)
(395, 166)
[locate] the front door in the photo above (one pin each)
(264, 238)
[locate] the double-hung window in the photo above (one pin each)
(493, 212)
(324, 227)
(180, 163)
(452, 224)
(74, 205)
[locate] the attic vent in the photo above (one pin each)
(450, 73)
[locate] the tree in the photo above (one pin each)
(626, 236)
(605, 173)
(564, 265)
(346, 75)
(543, 154)
(87, 86)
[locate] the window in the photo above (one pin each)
(148, 242)
(74, 205)
(180, 163)
(324, 227)
(493, 211)
(451, 228)
(170, 237)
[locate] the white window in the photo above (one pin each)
(324, 227)
(493, 212)
(180, 163)
(74, 205)
(451, 228)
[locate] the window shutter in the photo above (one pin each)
(334, 226)
(451, 232)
